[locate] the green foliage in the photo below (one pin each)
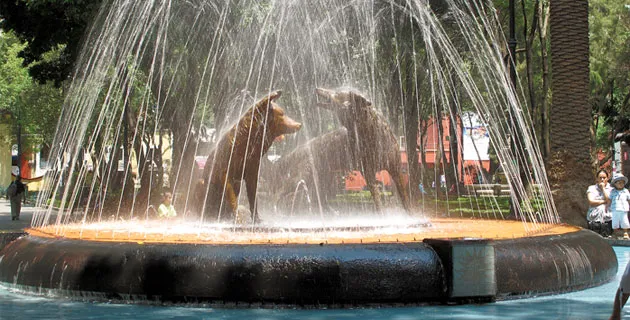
(471, 207)
(14, 78)
(48, 25)
(602, 134)
(35, 106)
(364, 197)
(36, 55)
(41, 105)
(609, 26)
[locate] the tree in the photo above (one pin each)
(47, 25)
(570, 120)
(14, 78)
(40, 106)
(610, 82)
(35, 106)
(533, 62)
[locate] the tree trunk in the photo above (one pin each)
(453, 173)
(411, 140)
(442, 163)
(570, 119)
(543, 21)
(422, 159)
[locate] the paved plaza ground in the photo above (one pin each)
(7, 225)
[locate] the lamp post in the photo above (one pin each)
(512, 66)
(512, 43)
(19, 144)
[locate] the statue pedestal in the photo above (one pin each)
(469, 266)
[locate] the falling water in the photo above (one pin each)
(301, 184)
(155, 74)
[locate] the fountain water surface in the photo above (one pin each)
(160, 84)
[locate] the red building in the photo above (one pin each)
(468, 167)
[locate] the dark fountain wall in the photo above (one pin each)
(434, 271)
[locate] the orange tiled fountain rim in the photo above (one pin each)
(441, 228)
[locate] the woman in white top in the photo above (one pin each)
(598, 210)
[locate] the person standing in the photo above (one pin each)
(620, 204)
(16, 194)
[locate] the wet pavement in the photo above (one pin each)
(8, 225)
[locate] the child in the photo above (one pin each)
(620, 204)
(166, 209)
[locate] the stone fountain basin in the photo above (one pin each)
(383, 270)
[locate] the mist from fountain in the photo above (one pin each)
(160, 70)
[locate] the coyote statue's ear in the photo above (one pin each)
(275, 95)
(360, 98)
(265, 102)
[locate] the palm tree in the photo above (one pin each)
(570, 113)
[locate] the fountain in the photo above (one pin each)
(154, 75)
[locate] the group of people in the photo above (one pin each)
(16, 194)
(609, 204)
